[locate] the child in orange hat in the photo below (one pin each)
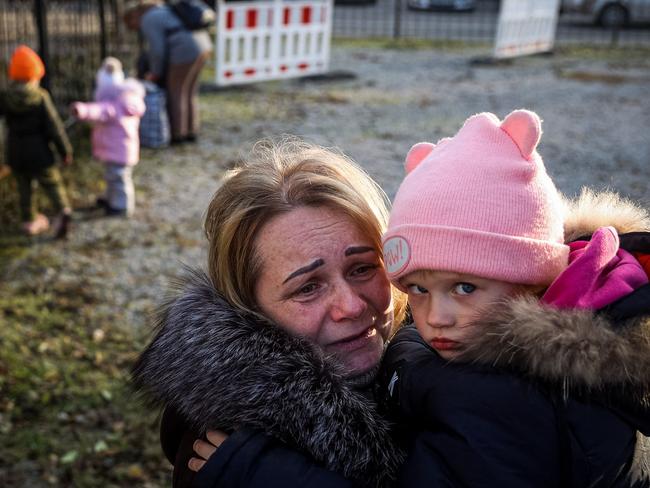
(32, 124)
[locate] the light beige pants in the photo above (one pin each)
(182, 99)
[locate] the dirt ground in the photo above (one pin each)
(595, 108)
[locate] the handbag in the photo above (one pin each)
(154, 124)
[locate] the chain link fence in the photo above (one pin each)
(418, 19)
(73, 36)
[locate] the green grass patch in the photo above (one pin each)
(67, 413)
(621, 55)
(408, 44)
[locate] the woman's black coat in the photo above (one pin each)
(215, 367)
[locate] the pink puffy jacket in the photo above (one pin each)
(116, 117)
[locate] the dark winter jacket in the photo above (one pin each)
(215, 367)
(543, 397)
(33, 125)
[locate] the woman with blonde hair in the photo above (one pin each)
(279, 346)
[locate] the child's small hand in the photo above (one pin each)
(67, 161)
(205, 449)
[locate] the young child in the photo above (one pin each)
(32, 124)
(495, 386)
(115, 114)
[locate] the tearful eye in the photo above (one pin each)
(364, 270)
(464, 288)
(307, 289)
(416, 290)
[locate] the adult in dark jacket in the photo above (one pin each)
(34, 129)
(281, 343)
(176, 57)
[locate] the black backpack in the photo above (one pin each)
(194, 14)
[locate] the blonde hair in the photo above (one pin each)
(275, 179)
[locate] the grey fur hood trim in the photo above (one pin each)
(222, 368)
(578, 349)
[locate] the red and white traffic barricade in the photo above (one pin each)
(526, 27)
(272, 39)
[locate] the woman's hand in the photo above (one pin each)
(206, 449)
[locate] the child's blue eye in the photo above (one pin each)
(416, 289)
(464, 288)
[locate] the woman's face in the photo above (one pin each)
(322, 279)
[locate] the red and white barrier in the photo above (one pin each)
(266, 40)
(526, 27)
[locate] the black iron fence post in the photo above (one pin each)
(102, 30)
(40, 14)
(397, 20)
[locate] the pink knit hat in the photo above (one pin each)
(479, 203)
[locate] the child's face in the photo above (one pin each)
(444, 304)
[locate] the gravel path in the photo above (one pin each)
(596, 133)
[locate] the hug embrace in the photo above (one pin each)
(525, 360)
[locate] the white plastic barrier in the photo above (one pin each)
(526, 27)
(266, 40)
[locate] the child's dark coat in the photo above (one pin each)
(543, 398)
(33, 126)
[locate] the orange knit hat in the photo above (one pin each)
(25, 65)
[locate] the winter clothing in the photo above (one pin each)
(52, 183)
(221, 368)
(116, 116)
(110, 73)
(248, 458)
(176, 55)
(25, 65)
(32, 124)
(541, 397)
(599, 273)
(479, 203)
(169, 42)
(120, 193)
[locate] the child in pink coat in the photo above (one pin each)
(115, 114)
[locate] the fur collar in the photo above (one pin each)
(579, 350)
(222, 368)
(592, 210)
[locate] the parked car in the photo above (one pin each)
(452, 5)
(611, 14)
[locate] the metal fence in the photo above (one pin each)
(74, 35)
(406, 19)
(71, 36)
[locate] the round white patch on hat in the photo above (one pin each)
(397, 254)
